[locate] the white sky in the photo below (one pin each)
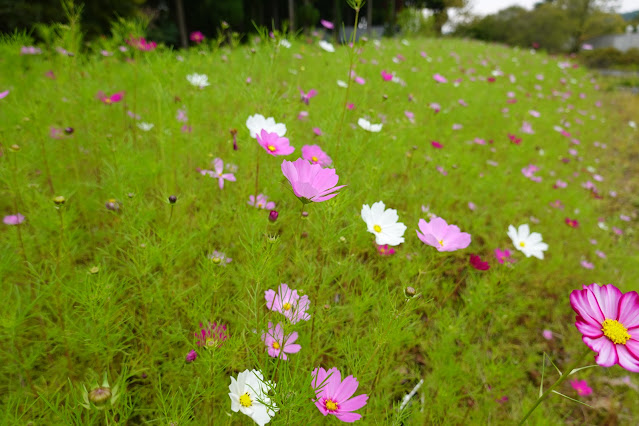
(485, 7)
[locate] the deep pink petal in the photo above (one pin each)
(629, 310)
(592, 330)
(627, 359)
(607, 355)
(587, 308)
(608, 299)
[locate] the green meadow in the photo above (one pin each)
(115, 280)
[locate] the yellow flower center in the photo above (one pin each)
(112, 200)
(245, 400)
(276, 345)
(271, 148)
(315, 159)
(107, 101)
(441, 243)
(287, 306)
(210, 342)
(377, 228)
(522, 244)
(615, 331)
(330, 405)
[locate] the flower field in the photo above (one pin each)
(295, 232)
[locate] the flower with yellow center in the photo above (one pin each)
(249, 395)
(383, 223)
(330, 405)
(530, 244)
(245, 400)
(287, 306)
(615, 331)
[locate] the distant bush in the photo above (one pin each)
(609, 57)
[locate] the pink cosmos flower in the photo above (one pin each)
(274, 144)
(547, 334)
(502, 255)
(457, 126)
(472, 206)
(142, 44)
(436, 144)
(334, 395)
(439, 78)
(435, 106)
(262, 202)
(560, 184)
(360, 80)
(581, 387)
(13, 219)
(302, 116)
(279, 344)
(441, 170)
(386, 76)
(212, 335)
(55, 133)
(441, 235)
(4, 94)
(288, 303)
(197, 37)
(311, 182)
(476, 262)
(305, 97)
(462, 102)
(587, 265)
(573, 223)
(609, 323)
(514, 139)
(526, 127)
(116, 97)
(410, 115)
(218, 173)
(315, 155)
(317, 131)
(327, 24)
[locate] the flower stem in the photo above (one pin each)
(257, 170)
(350, 80)
(555, 385)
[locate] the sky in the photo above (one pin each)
(485, 7)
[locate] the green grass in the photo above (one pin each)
(474, 337)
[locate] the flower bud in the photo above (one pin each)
(409, 292)
(191, 356)
(272, 215)
(14, 148)
(172, 199)
(68, 130)
(100, 395)
(59, 200)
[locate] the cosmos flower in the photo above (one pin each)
(527, 243)
(13, 219)
(211, 336)
(262, 202)
(609, 323)
(256, 123)
(326, 46)
(279, 344)
(441, 235)
(439, 78)
(249, 395)
(476, 262)
(274, 144)
(145, 126)
(4, 94)
(503, 255)
(116, 97)
(315, 155)
(383, 223)
(385, 250)
(366, 125)
(198, 80)
(191, 356)
(581, 386)
(327, 24)
(334, 394)
(306, 97)
(196, 37)
(310, 182)
(289, 303)
(218, 173)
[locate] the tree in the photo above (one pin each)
(439, 9)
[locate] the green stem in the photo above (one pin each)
(559, 381)
(257, 170)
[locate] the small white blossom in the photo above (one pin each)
(527, 243)
(198, 80)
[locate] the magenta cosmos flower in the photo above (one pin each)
(334, 395)
(274, 144)
(211, 336)
(609, 323)
(279, 344)
(116, 97)
(197, 37)
(441, 235)
(315, 155)
(287, 302)
(306, 97)
(310, 182)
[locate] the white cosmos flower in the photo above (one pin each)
(198, 80)
(366, 125)
(285, 43)
(145, 126)
(249, 395)
(326, 46)
(341, 83)
(257, 122)
(384, 224)
(527, 243)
